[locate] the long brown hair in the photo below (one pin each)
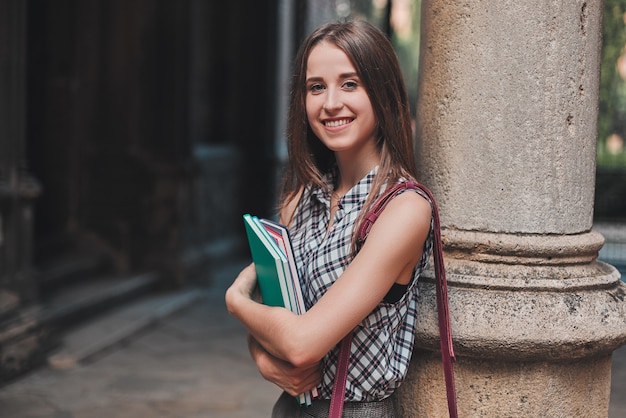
(376, 63)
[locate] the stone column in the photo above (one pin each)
(506, 139)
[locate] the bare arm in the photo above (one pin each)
(392, 249)
(293, 380)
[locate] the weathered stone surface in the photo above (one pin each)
(507, 109)
(495, 388)
(506, 130)
(505, 325)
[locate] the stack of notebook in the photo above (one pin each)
(277, 275)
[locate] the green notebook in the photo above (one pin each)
(272, 267)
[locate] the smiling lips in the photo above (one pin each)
(337, 122)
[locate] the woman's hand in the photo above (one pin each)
(293, 380)
(246, 280)
(244, 285)
(289, 378)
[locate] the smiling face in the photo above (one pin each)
(338, 108)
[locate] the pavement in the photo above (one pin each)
(188, 360)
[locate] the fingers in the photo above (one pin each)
(243, 286)
(291, 379)
(246, 280)
(302, 381)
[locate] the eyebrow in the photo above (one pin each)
(341, 77)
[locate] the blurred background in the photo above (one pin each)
(134, 135)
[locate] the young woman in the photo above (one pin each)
(349, 138)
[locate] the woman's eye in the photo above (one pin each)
(316, 88)
(350, 85)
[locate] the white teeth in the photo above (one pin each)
(335, 123)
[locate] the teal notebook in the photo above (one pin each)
(271, 266)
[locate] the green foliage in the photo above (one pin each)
(407, 49)
(612, 106)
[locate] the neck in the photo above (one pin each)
(352, 170)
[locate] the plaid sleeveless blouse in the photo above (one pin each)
(383, 342)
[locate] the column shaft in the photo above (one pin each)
(506, 133)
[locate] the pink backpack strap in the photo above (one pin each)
(447, 350)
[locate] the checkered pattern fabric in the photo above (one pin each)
(383, 342)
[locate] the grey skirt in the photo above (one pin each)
(287, 407)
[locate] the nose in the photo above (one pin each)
(332, 101)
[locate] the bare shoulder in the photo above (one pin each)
(411, 203)
(409, 212)
(288, 207)
(397, 237)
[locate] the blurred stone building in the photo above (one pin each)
(133, 135)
